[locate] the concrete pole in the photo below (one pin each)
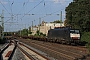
(39, 25)
(61, 19)
(32, 25)
(20, 32)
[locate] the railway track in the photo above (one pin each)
(30, 53)
(58, 51)
(63, 53)
(8, 52)
(77, 48)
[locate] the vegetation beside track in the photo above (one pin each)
(79, 17)
(2, 41)
(86, 37)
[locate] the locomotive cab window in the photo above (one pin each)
(77, 31)
(74, 31)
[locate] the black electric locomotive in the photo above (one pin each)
(64, 35)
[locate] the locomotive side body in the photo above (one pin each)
(63, 35)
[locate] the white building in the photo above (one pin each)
(44, 27)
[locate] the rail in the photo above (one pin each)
(12, 53)
(31, 56)
(8, 51)
(4, 48)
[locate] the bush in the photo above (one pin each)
(88, 47)
(85, 37)
(2, 41)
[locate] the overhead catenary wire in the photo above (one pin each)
(35, 6)
(11, 14)
(10, 5)
(24, 6)
(6, 10)
(45, 10)
(32, 8)
(45, 7)
(5, 7)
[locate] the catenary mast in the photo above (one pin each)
(2, 20)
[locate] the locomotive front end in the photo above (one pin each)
(75, 35)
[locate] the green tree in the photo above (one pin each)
(30, 32)
(57, 21)
(24, 32)
(78, 15)
(38, 33)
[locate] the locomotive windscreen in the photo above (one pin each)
(74, 31)
(75, 34)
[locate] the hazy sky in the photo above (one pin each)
(19, 14)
